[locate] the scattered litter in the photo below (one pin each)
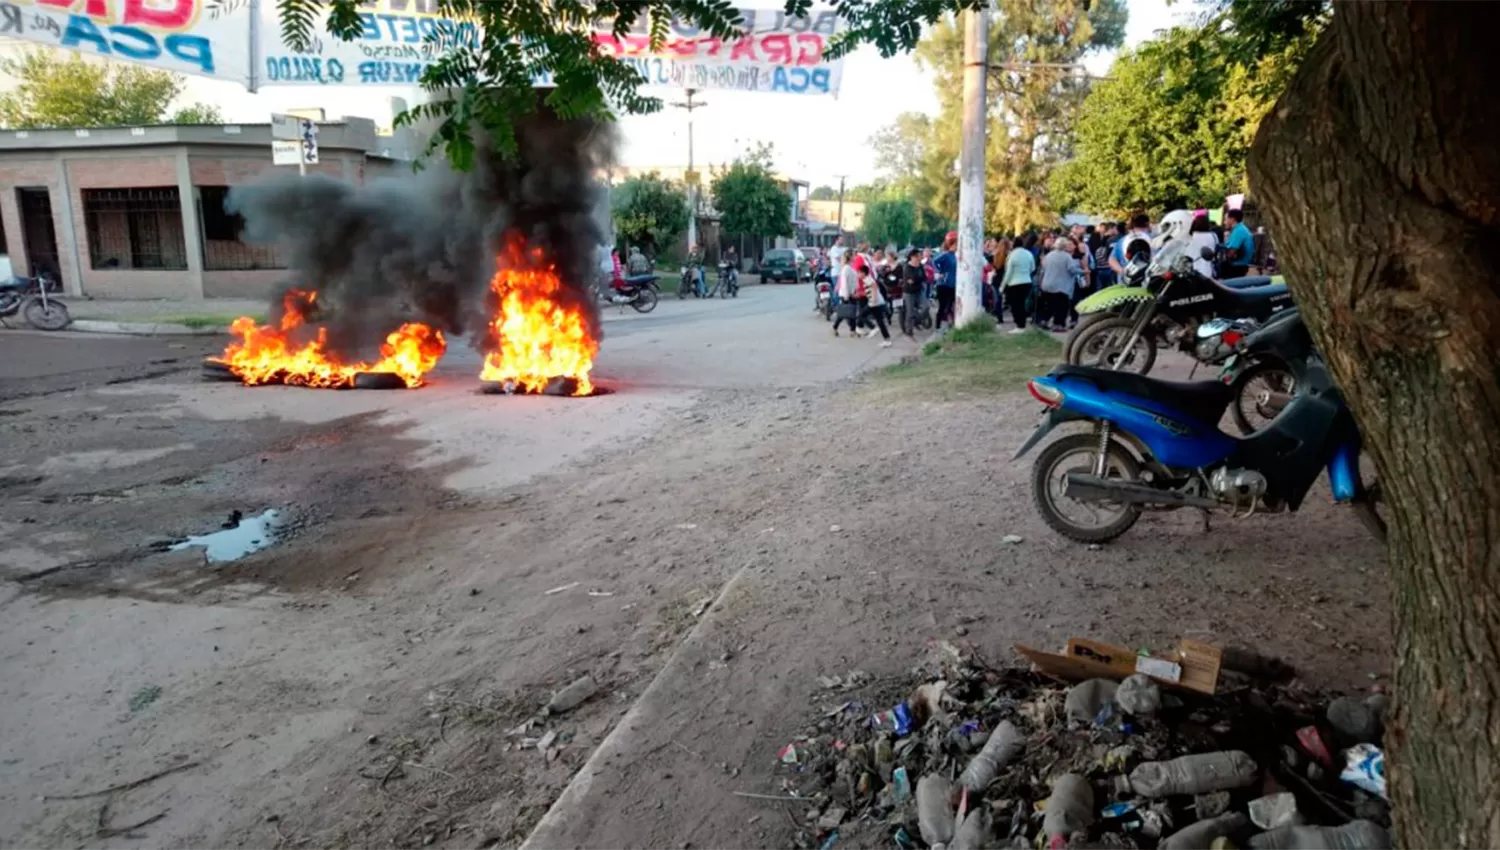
(601, 593)
(685, 526)
(562, 588)
(1012, 539)
(1275, 810)
(573, 695)
(1008, 758)
(1354, 719)
(1355, 835)
(701, 607)
(235, 539)
(547, 739)
(1364, 768)
(835, 528)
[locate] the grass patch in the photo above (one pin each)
(974, 360)
(198, 322)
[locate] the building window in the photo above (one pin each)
(134, 229)
(223, 248)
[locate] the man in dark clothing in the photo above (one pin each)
(913, 281)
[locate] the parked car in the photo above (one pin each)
(777, 266)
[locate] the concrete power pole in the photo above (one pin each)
(840, 220)
(692, 176)
(971, 167)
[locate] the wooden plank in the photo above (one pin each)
(1198, 663)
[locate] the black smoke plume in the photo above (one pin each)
(423, 247)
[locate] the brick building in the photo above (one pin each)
(138, 212)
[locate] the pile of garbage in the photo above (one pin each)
(976, 756)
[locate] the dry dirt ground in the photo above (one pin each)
(369, 681)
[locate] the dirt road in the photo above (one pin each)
(457, 558)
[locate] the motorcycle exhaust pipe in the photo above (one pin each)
(1091, 488)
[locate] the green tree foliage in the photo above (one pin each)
(823, 193)
(1031, 107)
(890, 221)
(52, 91)
(198, 113)
(649, 211)
(750, 199)
(1172, 127)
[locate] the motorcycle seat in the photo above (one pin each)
(1254, 296)
(14, 284)
(1204, 401)
(1246, 282)
(638, 279)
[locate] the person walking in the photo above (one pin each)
(1060, 272)
(875, 307)
(1016, 282)
(946, 264)
(848, 288)
(913, 281)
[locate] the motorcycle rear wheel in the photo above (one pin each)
(1052, 467)
(645, 300)
(51, 316)
(1275, 377)
(1100, 346)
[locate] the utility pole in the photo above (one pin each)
(971, 167)
(691, 177)
(840, 221)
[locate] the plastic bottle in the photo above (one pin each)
(974, 834)
(1198, 836)
(1354, 835)
(934, 813)
(1085, 699)
(1195, 774)
(1071, 806)
(573, 695)
(1002, 746)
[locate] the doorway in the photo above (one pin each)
(38, 234)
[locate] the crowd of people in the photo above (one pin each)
(1038, 277)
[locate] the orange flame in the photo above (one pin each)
(264, 354)
(538, 337)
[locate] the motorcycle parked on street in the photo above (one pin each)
(638, 290)
(691, 281)
(1155, 446)
(1163, 302)
(32, 298)
(727, 284)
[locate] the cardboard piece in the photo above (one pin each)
(1192, 666)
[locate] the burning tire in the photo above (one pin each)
(378, 381)
(215, 370)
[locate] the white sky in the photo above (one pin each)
(816, 137)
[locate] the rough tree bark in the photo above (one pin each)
(1380, 171)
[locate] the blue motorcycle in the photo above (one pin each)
(1155, 444)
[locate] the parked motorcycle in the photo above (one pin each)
(823, 299)
(1155, 446)
(727, 284)
(1162, 302)
(32, 298)
(690, 282)
(638, 290)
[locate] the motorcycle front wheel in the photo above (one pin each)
(645, 300)
(1086, 522)
(1102, 346)
(51, 316)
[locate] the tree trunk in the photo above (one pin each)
(1380, 172)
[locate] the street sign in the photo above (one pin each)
(288, 127)
(286, 153)
(294, 141)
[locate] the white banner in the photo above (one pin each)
(209, 38)
(398, 39)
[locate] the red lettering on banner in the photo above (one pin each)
(96, 9)
(744, 49)
(809, 48)
(778, 48)
(714, 45)
(608, 45)
(683, 47)
(172, 15)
